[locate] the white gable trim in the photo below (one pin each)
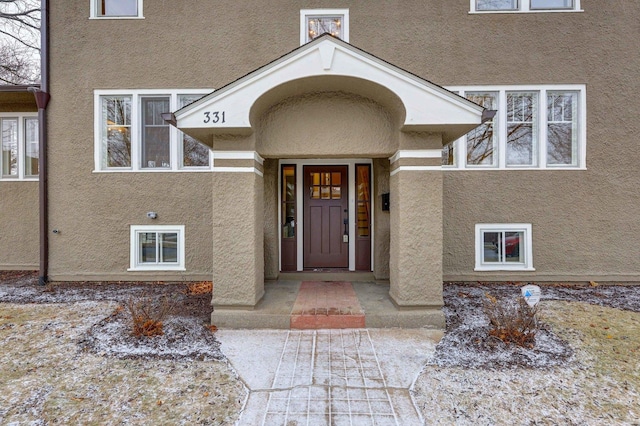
(427, 105)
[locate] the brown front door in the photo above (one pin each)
(325, 212)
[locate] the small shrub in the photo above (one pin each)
(202, 287)
(147, 316)
(512, 322)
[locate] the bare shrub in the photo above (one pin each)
(201, 287)
(148, 314)
(512, 322)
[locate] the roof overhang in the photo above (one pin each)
(427, 107)
(14, 98)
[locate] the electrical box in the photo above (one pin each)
(385, 202)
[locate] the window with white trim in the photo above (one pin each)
(541, 127)
(116, 9)
(157, 248)
(19, 157)
(516, 6)
(504, 247)
(131, 135)
(315, 22)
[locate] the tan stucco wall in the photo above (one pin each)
(326, 125)
(584, 222)
(381, 219)
(271, 221)
(238, 240)
(19, 228)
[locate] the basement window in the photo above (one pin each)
(157, 248)
(504, 247)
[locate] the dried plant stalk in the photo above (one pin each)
(147, 315)
(512, 323)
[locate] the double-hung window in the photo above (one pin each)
(524, 5)
(315, 22)
(116, 9)
(157, 247)
(535, 128)
(131, 134)
(19, 157)
(504, 247)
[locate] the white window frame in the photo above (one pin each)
(306, 13)
(527, 245)
(175, 136)
(93, 12)
(500, 127)
(135, 265)
(21, 118)
(524, 6)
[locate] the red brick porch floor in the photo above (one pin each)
(326, 304)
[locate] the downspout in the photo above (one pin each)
(42, 99)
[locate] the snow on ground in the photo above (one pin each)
(46, 377)
(67, 358)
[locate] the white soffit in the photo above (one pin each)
(427, 105)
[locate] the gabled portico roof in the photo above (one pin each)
(427, 106)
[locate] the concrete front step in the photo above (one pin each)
(275, 310)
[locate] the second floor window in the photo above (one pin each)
(524, 5)
(116, 9)
(535, 127)
(132, 136)
(315, 22)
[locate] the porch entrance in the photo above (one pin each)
(326, 217)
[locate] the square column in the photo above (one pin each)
(415, 252)
(238, 237)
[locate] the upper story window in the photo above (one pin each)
(20, 146)
(315, 22)
(130, 134)
(525, 5)
(116, 9)
(540, 127)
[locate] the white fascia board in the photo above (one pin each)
(425, 103)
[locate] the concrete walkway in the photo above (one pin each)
(329, 377)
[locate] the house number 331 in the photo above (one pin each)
(214, 117)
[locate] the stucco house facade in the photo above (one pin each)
(420, 142)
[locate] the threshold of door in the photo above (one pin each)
(325, 274)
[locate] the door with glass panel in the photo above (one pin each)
(326, 217)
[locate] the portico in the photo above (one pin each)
(305, 150)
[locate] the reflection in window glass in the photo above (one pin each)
(117, 7)
(562, 128)
(521, 128)
(481, 141)
(32, 146)
(168, 247)
(551, 4)
(318, 25)
(194, 153)
(500, 247)
(289, 201)
(147, 244)
(496, 4)
(155, 133)
(364, 203)
(116, 127)
(9, 147)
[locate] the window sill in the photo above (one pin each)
(185, 170)
(100, 18)
(507, 268)
(156, 268)
(511, 12)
